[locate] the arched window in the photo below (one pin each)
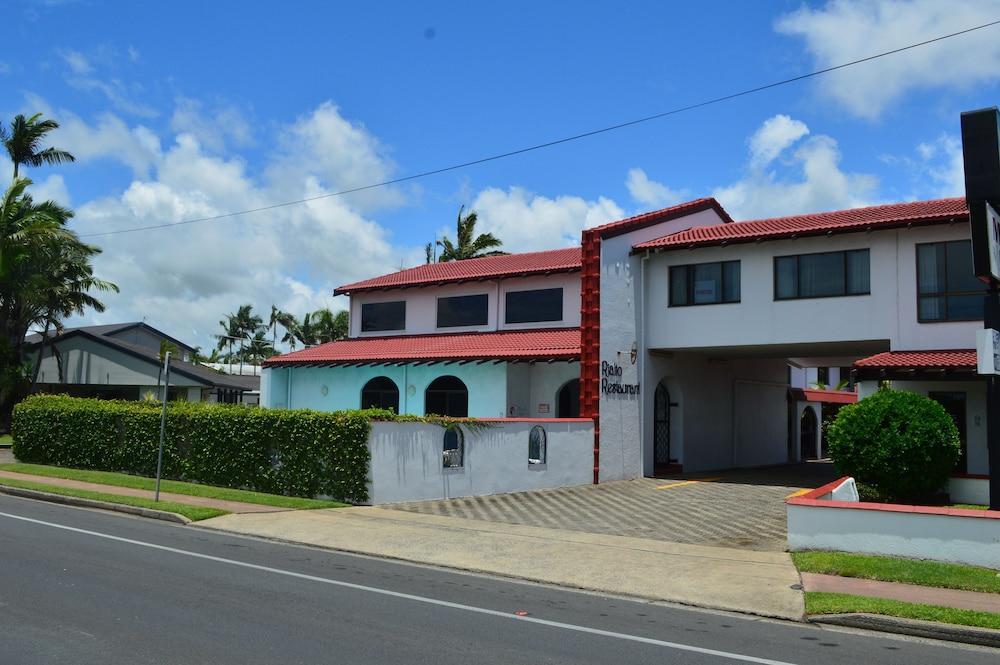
(454, 448)
(568, 400)
(380, 393)
(536, 445)
(447, 396)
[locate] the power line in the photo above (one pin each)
(549, 144)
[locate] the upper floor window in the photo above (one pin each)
(462, 311)
(822, 275)
(705, 283)
(383, 316)
(947, 288)
(534, 306)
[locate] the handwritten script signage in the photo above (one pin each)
(612, 383)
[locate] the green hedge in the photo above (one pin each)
(296, 453)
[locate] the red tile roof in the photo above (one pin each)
(470, 270)
(823, 223)
(612, 229)
(950, 359)
(828, 396)
(549, 344)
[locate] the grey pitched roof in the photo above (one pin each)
(108, 329)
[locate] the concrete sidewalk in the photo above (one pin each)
(221, 504)
(721, 578)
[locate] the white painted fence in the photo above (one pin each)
(822, 520)
(407, 459)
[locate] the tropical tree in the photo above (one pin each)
(468, 245)
(166, 346)
(330, 327)
(429, 253)
(23, 142)
(45, 275)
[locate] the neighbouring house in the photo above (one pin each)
(673, 331)
(122, 361)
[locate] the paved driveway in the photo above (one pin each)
(739, 508)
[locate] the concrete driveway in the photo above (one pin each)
(736, 508)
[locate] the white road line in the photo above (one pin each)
(412, 597)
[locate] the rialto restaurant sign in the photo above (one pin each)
(612, 383)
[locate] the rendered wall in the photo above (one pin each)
(407, 461)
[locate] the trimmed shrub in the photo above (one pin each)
(296, 453)
(903, 446)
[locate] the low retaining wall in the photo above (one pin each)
(407, 459)
(971, 489)
(822, 520)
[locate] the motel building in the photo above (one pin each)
(682, 334)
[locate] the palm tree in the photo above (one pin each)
(291, 326)
(330, 327)
(307, 331)
(23, 141)
(469, 245)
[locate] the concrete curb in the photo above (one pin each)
(94, 503)
(931, 629)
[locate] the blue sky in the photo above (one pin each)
(193, 109)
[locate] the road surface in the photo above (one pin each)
(80, 586)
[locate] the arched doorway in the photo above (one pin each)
(447, 396)
(568, 400)
(808, 427)
(663, 456)
(380, 393)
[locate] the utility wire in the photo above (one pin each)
(549, 144)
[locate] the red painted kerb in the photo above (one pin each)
(812, 500)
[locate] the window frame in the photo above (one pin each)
(459, 450)
(486, 310)
(689, 291)
(941, 294)
(543, 446)
(506, 306)
(798, 259)
(361, 325)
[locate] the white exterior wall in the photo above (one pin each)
(974, 491)
(975, 413)
(888, 314)
(407, 462)
(622, 431)
(421, 304)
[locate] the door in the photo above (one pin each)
(807, 434)
(661, 427)
(954, 404)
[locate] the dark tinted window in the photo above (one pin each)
(462, 311)
(822, 275)
(947, 288)
(705, 283)
(383, 316)
(534, 306)
(447, 396)
(380, 393)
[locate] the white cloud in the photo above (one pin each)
(844, 30)
(77, 61)
(650, 192)
(527, 222)
(133, 54)
(116, 92)
(773, 137)
(809, 179)
(213, 128)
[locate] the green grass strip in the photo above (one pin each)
(173, 486)
(839, 603)
(193, 513)
(970, 506)
(6, 440)
(893, 569)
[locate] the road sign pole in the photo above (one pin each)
(163, 421)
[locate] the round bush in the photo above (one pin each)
(901, 444)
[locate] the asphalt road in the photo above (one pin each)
(80, 586)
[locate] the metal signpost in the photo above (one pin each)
(163, 421)
(981, 156)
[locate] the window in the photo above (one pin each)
(705, 283)
(462, 311)
(822, 275)
(534, 306)
(447, 396)
(380, 393)
(823, 376)
(536, 445)
(568, 400)
(947, 288)
(454, 447)
(383, 316)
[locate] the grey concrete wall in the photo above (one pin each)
(407, 461)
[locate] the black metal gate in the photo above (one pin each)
(661, 426)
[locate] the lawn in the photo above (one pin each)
(838, 603)
(6, 440)
(892, 569)
(173, 486)
(193, 513)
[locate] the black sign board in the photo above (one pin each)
(981, 152)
